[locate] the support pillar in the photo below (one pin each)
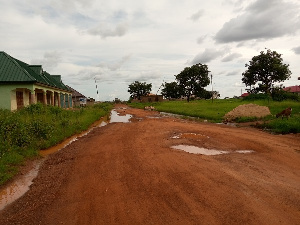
(44, 98)
(59, 100)
(52, 99)
(32, 98)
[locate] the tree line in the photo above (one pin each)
(263, 72)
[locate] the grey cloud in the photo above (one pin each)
(197, 15)
(68, 5)
(87, 74)
(117, 65)
(120, 15)
(50, 60)
(231, 57)
(261, 20)
(147, 76)
(207, 56)
(233, 73)
(201, 39)
(296, 50)
(105, 31)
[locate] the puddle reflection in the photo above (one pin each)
(19, 187)
(197, 150)
(116, 118)
(205, 151)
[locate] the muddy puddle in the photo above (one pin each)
(115, 117)
(19, 187)
(205, 151)
(22, 185)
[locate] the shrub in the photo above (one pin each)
(253, 97)
(283, 95)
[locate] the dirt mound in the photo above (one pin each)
(247, 110)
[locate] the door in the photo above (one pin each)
(20, 100)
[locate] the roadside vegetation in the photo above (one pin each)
(23, 133)
(215, 111)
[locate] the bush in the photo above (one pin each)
(276, 95)
(253, 97)
(281, 95)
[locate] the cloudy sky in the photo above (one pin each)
(118, 42)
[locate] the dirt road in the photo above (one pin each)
(127, 173)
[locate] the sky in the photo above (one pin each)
(111, 44)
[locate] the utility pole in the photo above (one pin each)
(212, 89)
(97, 90)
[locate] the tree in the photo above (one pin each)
(171, 90)
(192, 80)
(264, 71)
(138, 89)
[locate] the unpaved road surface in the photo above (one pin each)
(127, 173)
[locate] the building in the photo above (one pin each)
(79, 99)
(22, 84)
(152, 98)
(293, 89)
(245, 95)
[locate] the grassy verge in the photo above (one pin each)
(25, 132)
(215, 111)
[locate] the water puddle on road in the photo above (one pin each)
(197, 150)
(205, 151)
(115, 117)
(19, 187)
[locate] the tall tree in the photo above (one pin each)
(171, 90)
(192, 80)
(138, 89)
(264, 70)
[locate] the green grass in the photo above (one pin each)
(215, 111)
(25, 132)
(202, 109)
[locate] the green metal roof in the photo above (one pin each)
(10, 70)
(14, 70)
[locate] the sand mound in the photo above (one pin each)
(247, 110)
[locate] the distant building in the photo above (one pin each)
(79, 99)
(151, 98)
(293, 89)
(245, 95)
(22, 84)
(117, 100)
